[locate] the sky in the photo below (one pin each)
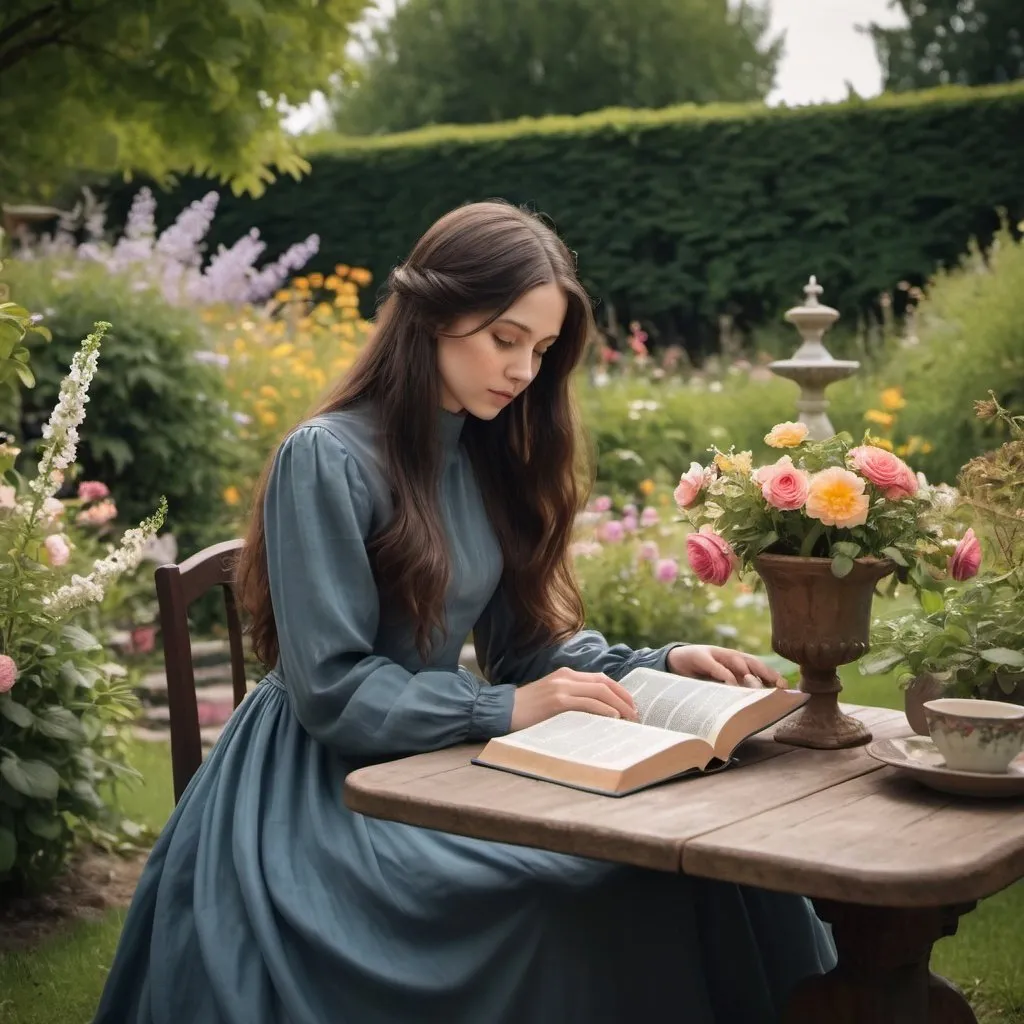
(824, 51)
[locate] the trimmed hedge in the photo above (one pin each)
(681, 214)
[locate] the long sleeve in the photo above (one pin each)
(318, 513)
(587, 651)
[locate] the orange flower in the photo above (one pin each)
(231, 495)
(647, 486)
(786, 435)
(836, 497)
(892, 399)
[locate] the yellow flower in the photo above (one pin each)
(360, 275)
(880, 442)
(786, 435)
(283, 295)
(883, 419)
(231, 495)
(926, 447)
(333, 282)
(836, 497)
(740, 462)
(268, 392)
(892, 399)
(302, 283)
(324, 308)
(282, 350)
(647, 486)
(239, 344)
(316, 280)
(341, 269)
(267, 418)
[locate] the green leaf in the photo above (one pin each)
(59, 723)
(931, 601)
(8, 850)
(80, 639)
(70, 673)
(46, 826)
(1003, 656)
(877, 663)
(842, 565)
(896, 555)
(15, 712)
(847, 548)
(25, 375)
(33, 778)
(958, 633)
(767, 540)
(811, 539)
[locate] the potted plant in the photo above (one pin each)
(821, 526)
(969, 641)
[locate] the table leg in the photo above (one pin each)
(882, 975)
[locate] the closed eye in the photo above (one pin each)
(504, 342)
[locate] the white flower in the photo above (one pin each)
(61, 431)
(88, 589)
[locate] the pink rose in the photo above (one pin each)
(666, 570)
(8, 672)
(57, 550)
(649, 516)
(691, 483)
(611, 532)
(92, 490)
(648, 551)
(783, 485)
(99, 514)
(710, 556)
(629, 522)
(966, 560)
(888, 472)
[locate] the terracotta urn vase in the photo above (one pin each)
(820, 622)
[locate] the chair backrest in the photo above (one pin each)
(177, 586)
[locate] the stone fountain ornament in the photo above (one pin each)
(812, 367)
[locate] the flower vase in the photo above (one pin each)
(820, 621)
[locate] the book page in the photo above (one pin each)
(682, 704)
(577, 736)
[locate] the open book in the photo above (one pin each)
(686, 725)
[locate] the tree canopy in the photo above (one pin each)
(466, 61)
(159, 86)
(958, 42)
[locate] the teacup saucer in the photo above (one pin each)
(918, 757)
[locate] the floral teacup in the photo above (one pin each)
(976, 735)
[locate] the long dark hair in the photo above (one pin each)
(480, 258)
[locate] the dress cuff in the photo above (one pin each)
(662, 662)
(492, 711)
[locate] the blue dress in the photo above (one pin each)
(266, 901)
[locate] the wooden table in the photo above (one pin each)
(891, 865)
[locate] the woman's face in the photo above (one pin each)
(484, 371)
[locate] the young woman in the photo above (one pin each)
(433, 495)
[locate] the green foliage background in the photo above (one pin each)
(681, 214)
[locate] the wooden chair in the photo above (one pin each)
(177, 587)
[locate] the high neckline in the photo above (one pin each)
(451, 424)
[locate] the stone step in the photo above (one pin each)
(153, 685)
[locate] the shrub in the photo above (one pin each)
(680, 214)
(158, 417)
(634, 589)
(966, 338)
(61, 697)
(279, 359)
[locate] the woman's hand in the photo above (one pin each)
(565, 689)
(727, 666)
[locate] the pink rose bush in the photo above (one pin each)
(823, 498)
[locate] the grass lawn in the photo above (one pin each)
(60, 981)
